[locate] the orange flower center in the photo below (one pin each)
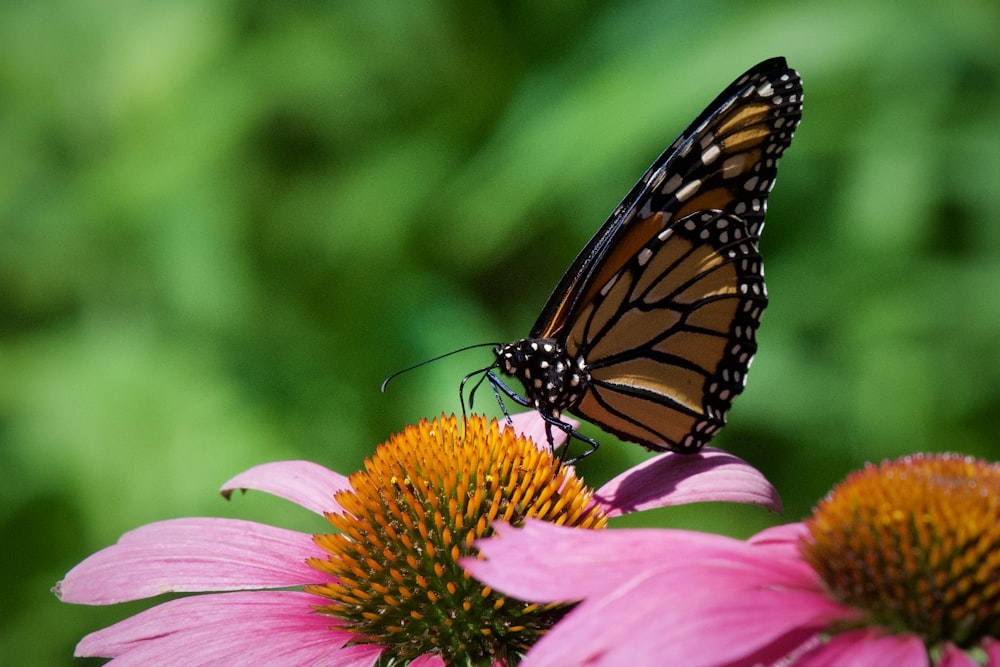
(417, 507)
(915, 543)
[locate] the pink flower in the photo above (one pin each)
(898, 566)
(277, 597)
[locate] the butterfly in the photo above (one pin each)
(651, 331)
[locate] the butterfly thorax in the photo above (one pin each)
(553, 380)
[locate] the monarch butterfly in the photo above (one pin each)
(650, 332)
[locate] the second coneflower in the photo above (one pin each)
(899, 565)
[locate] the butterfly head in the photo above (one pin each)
(553, 380)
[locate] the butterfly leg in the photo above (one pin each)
(499, 386)
(550, 421)
(503, 406)
(571, 434)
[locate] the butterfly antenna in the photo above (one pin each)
(385, 382)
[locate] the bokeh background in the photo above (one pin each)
(223, 223)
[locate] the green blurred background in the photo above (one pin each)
(222, 224)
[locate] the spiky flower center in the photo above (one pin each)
(417, 507)
(915, 543)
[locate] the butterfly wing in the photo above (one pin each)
(668, 339)
(726, 160)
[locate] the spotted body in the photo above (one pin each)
(651, 331)
(553, 381)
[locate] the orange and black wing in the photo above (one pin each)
(669, 338)
(726, 161)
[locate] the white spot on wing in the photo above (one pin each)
(685, 193)
(734, 166)
(608, 285)
(710, 154)
(672, 184)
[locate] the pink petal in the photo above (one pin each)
(952, 656)
(265, 628)
(992, 647)
(188, 555)
(865, 647)
(691, 585)
(783, 541)
(303, 482)
(542, 562)
(427, 660)
(679, 479)
(786, 533)
(710, 616)
(788, 646)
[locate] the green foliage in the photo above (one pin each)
(222, 224)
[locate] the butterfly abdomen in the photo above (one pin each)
(553, 380)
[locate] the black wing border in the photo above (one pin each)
(588, 260)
